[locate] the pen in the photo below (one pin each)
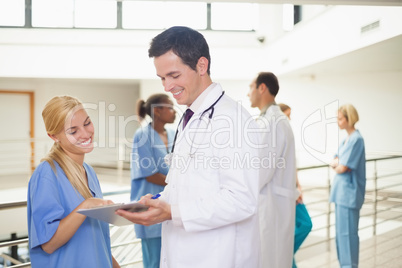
(156, 196)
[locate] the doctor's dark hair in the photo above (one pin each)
(145, 107)
(188, 44)
(270, 80)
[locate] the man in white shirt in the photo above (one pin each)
(209, 208)
(278, 192)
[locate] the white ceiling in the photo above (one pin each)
(313, 2)
(385, 56)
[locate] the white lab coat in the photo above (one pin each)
(278, 192)
(214, 198)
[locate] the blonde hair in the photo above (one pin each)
(54, 115)
(283, 106)
(350, 113)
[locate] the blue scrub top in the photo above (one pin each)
(348, 189)
(147, 158)
(50, 199)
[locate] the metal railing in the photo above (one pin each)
(19, 156)
(6, 257)
(385, 185)
(126, 248)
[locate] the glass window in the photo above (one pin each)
(52, 13)
(161, 14)
(139, 15)
(95, 14)
(234, 16)
(12, 12)
(288, 17)
(74, 13)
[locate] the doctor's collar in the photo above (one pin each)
(210, 111)
(266, 107)
(195, 106)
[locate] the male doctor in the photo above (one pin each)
(209, 208)
(278, 192)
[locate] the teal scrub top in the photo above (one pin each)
(348, 189)
(147, 158)
(51, 198)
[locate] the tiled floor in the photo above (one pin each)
(384, 250)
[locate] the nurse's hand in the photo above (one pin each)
(93, 202)
(342, 169)
(158, 211)
(334, 163)
(70, 224)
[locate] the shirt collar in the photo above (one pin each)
(265, 108)
(200, 99)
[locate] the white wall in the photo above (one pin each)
(314, 104)
(109, 54)
(110, 105)
(112, 67)
(376, 97)
(334, 32)
(122, 54)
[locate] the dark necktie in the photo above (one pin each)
(187, 115)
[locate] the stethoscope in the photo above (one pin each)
(210, 108)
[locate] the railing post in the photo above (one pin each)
(329, 210)
(14, 249)
(120, 161)
(375, 199)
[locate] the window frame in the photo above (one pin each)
(119, 23)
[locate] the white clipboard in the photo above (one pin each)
(107, 213)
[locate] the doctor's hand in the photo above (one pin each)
(158, 211)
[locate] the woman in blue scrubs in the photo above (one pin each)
(152, 143)
(348, 188)
(60, 185)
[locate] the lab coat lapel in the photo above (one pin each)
(212, 96)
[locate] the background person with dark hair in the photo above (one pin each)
(148, 168)
(209, 208)
(278, 179)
